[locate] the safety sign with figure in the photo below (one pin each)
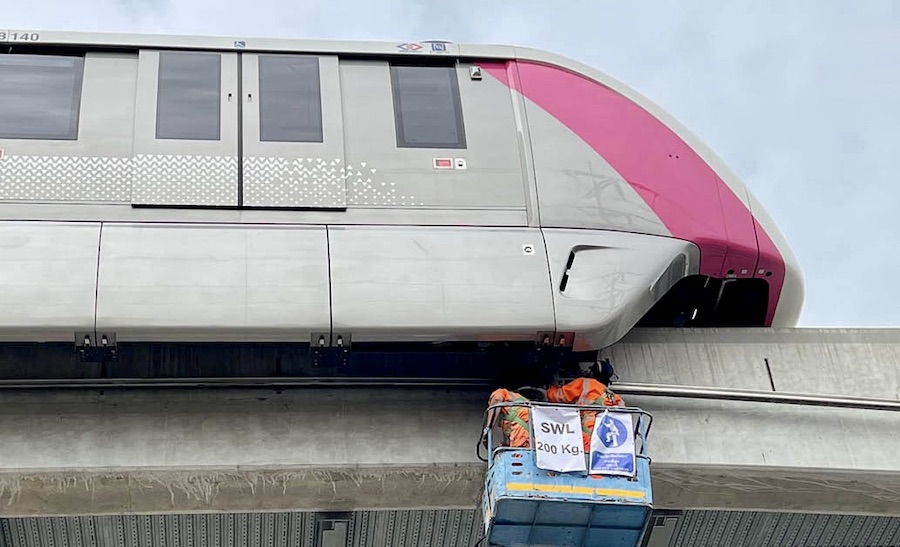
(612, 445)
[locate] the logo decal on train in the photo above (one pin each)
(410, 47)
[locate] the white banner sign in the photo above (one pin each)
(557, 439)
(612, 445)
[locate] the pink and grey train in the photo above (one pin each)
(232, 190)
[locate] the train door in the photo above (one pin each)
(186, 129)
(292, 145)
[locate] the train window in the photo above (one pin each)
(290, 100)
(188, 97)
(40, 96)
(427, 108)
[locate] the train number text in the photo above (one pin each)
(19, 36)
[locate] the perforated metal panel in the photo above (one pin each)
(763, 529)
(428, 528)
(438, 528)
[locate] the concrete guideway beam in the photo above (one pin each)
(246, 488)
(143, 450)
(835, 362)
(138, 452)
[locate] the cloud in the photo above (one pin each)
(800, 98)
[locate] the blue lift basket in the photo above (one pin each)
(524, 505)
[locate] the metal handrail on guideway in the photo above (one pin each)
(753, 396)
(646, 390)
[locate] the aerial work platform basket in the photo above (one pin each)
(524, 505)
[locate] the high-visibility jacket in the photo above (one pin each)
(585, 391)
(513, 419)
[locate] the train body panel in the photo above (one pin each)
(578, 188)
(777, 264)
(170, 282)
(677, 185)
(774, 255)
(49, 279)
(393, 283)
(277, 190)
(604, 282)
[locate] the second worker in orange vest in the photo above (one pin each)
(513, 419)
(592, 389)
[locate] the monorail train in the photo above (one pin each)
(251, 190)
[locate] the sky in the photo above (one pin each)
(801, 98)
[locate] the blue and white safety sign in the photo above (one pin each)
(612, 445)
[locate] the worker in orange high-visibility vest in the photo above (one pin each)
(513, 419)
(592, 389)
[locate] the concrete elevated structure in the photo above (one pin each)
(720, 467)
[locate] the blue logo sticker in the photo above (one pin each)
(438, 46)
(240, 44)
(612, 432)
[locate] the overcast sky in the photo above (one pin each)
(801, 98)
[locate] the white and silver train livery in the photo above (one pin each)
(231, 189)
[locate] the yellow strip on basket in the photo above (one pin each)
(586, 490)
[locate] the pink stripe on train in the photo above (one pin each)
(691, 200)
